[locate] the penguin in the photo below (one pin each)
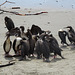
(24, 47)
(62, 35)
(16, 43)
(36, 29)
(7, 45)
(54, 47)
(23, 34)
(42, 48)
(71, 34)
(31, 41)
(70, 29)
(9, 23)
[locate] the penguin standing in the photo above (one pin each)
(7, 46)
(23, 35)
(71, 34)
(36, 29)
(31, 43)
(9, 23)
(24, 47)
(16, 44)
(55, 47)
(62, 35)
(42, 48)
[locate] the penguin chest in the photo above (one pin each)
(8, 46)
(17, 43)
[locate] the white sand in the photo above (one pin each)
(53, 20)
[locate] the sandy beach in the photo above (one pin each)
(53, 21)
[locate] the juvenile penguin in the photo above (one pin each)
(24, 47)
(9, 23)
(7, 46)
(36, 29)
(31, 43)
(23, 35)
(55, 47)
(42, 48)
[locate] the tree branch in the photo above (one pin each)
(6, 2)
(16, 13)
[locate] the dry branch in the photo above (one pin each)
(16, 13)
(7, 64)
(6, 2)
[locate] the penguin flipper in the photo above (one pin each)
(14, 43)
(4, 46)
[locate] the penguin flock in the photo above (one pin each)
(34, 41)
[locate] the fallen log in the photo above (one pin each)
(7, 64)
(16, 13)
(6, 2)
(15, 7)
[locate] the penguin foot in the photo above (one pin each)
(63, 58)
(38, 57)
(7, 55)
(54, 56)
(16, 55)
(46, 60)
(21, 59)
(31, 56)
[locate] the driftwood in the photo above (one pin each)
(16, 13)
(15, 7)
(7, 64)
(6, 2)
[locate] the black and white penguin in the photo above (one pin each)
(24, 47)
(23, 34)
(71, 34)
(7, 46)
(9, 23)
(62, 35)
(16, 43)
(70, 29)
(54, 47)
(42, 48)
(36, 29)
(31, 43)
